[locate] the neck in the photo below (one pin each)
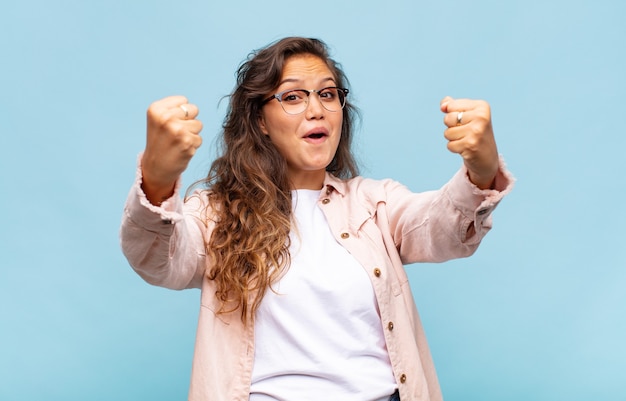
(308, 180)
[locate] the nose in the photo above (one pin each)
(314, 109)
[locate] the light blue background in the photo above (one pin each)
(539, 313)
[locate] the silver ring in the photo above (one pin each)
(183, 108)
(459, 118)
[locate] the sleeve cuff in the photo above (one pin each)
(149, 216)
(474, 201)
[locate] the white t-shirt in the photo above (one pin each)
(319, 337)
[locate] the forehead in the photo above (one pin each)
(305, 66)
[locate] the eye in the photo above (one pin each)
(328, 94)
(294, 96)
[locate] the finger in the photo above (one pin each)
(193, 126)
(457, 118)
(170, 102)
(184, 134)
(175, 112)
(461, 104)
(457, 146)
(187, 111)
(193, 142)
(454, 133)
(161, 110)
(443, 104)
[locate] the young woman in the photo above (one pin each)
(300, 260)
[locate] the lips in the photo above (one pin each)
(316, 134)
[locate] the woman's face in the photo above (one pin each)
(308, 141)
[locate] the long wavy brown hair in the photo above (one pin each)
(249, 191)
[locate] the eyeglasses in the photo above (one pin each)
(295, 101)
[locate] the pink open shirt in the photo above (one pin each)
(381, 223)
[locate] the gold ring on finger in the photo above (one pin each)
(183, 108)
(459, 118)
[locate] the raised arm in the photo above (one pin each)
(162, 238)
(451, 222)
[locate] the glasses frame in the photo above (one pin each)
(278, 96)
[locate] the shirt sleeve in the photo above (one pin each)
(449, 223)
(165, 244)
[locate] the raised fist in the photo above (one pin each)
(172, 140)
(470, 134)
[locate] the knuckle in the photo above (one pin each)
(474, 137)
(188, 142)
(483, 104)
(179, 132)
(481, 125)
(162, 119)
(483, 109)
(153, 112)
(472, 143)
(470, 148)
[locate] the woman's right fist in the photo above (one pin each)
(172, 140)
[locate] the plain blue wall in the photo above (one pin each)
(539, 313)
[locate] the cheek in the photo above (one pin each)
(278, 126)
(339, 126)
(339, 121)
(280, 141)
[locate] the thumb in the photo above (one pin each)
(443, 105)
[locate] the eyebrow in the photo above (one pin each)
(286, 80)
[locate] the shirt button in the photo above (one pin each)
(345, 235)
(390, 326)
(325, 201)
(377, 272)
(402, 378)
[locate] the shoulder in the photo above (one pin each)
(366, 189)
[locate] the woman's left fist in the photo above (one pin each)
(470, 134)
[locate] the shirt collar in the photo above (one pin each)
(332, 183)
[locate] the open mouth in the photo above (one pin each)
(317, 135)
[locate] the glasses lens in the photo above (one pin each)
(333, 99)
(295, 101)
